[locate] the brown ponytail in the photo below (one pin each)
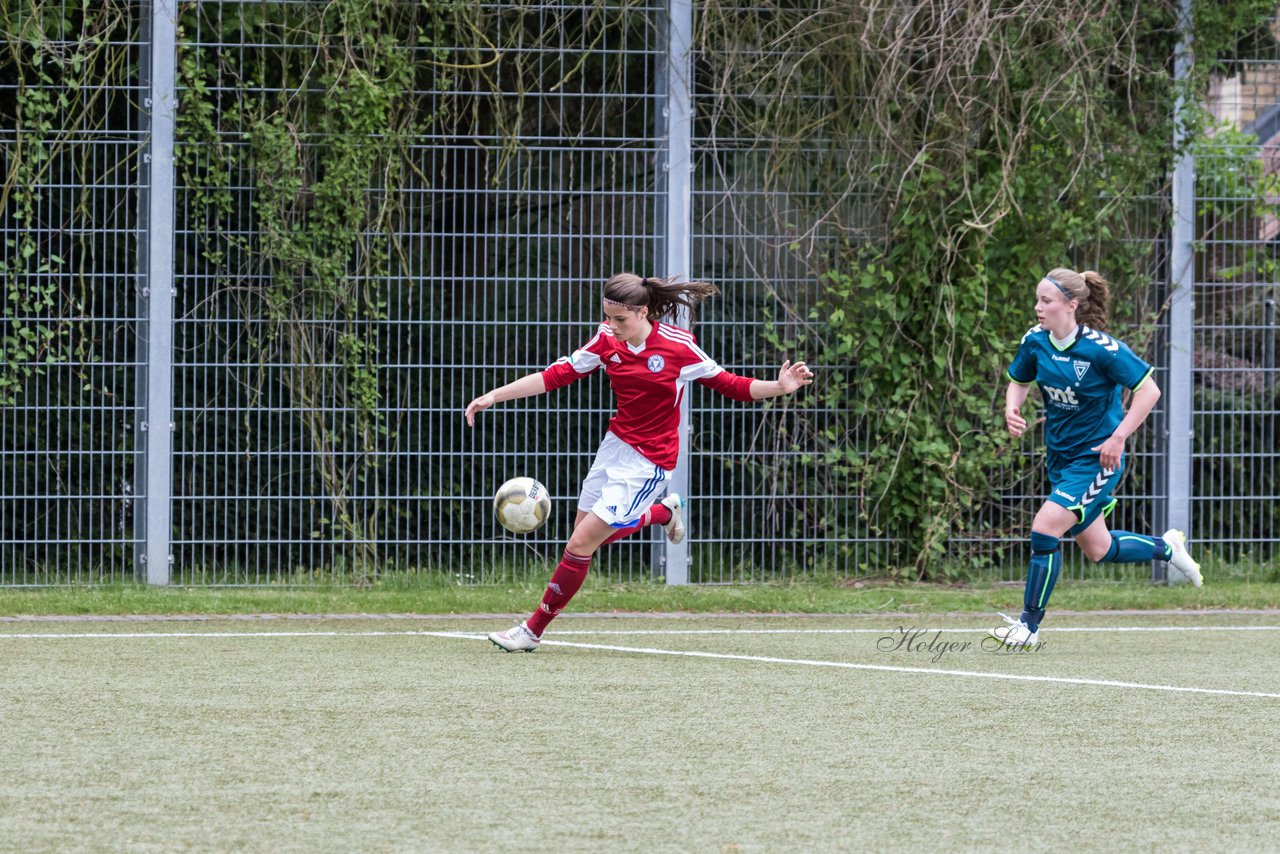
(1098, 308)
(664, 297)
(1091, 293)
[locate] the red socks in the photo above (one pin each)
(658, 514)
(565, 581)
(572, 571)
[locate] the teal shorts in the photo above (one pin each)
(1084, 487)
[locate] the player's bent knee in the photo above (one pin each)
(1095, 554)
(588, 535)
(584, 546)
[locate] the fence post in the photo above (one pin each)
(1269, 348)
(677, 163)
(154, 436)
(1179, 400)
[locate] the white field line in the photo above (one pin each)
(1015, 677)
(900, 627)
(802, 662)
(895, 631)
(136, 635)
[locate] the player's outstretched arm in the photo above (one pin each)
(790, 379)
(526, 386)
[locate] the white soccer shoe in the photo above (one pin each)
(515, 639)
(1181, 560)
(675, 528)
(1013, 632)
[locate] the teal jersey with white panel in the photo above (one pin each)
(1081, 386)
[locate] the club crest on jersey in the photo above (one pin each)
(1082, 368)
(656, 363)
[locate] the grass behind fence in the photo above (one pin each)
(433, 595)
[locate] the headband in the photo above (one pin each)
(1051, 280)
(644, 281)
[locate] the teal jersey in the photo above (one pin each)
(1080, 385)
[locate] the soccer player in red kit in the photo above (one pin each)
(649, 363)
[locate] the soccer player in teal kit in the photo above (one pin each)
(1080, 371)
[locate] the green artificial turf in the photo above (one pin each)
(434, 597)
(639, 733)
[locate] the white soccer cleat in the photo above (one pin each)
(515, 639)
(1181, 560)
(1013, 632)
(675, 528)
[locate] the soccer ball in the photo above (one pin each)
(521, 505)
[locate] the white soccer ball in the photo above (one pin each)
(521, 505)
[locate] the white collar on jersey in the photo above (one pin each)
(1064, 343)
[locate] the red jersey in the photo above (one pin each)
(648, 382)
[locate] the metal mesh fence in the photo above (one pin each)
(524, 188)
(319, 434)
(1236, 448)
(69, 222)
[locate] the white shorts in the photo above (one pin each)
(622, 484)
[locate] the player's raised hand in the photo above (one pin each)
(792, 377)
(484, 401)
